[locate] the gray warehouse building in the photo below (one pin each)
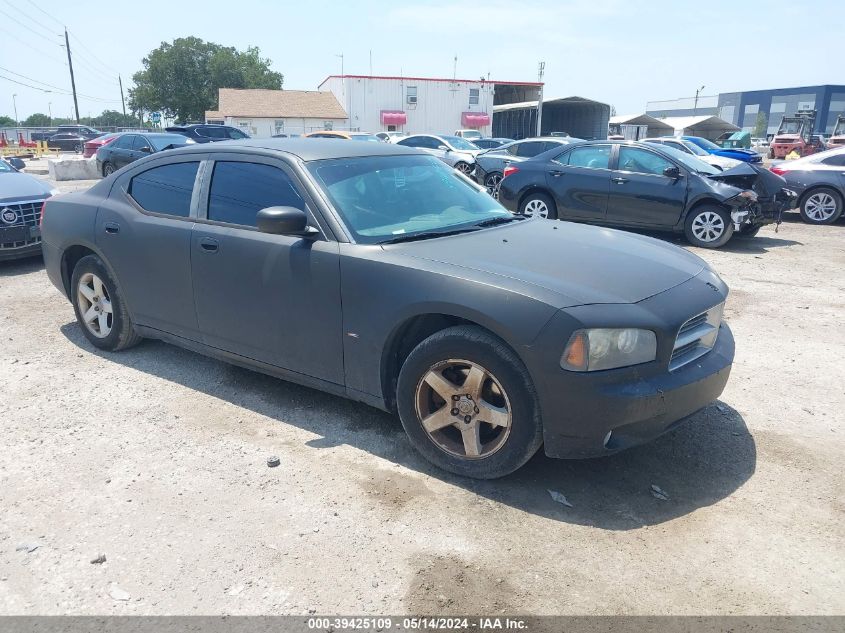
(742, 108)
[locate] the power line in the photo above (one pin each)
(94, 57)
(60, 91)
(45, 13)
(30, 18)
(28, 28)
(25, 43)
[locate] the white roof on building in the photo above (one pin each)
(533, 104)
(700, 123)
(637, 119)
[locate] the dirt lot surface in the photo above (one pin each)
(156, 459)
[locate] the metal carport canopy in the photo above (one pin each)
(709, 127)
(656, 127)
(580, 117)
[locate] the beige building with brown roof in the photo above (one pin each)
(265, 113)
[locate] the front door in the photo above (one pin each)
(580, 181)
(640, 194)
(271, 298)
(145, 235)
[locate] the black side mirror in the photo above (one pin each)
(672, 172)
(444, 148)
(285, 221)
(17, 163)
(146, 149)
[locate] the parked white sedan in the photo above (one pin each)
(719, 162)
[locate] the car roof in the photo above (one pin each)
(304, 148)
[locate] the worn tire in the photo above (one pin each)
(542, 198)
(701, 210)
(748, 230)
(805, 199)
(474, 344)
(122, 334)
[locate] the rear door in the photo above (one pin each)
(640, 194)
(271, 298)
(121, 150)
(144, 230)
(580, 180)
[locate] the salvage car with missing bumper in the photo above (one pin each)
(376, 272)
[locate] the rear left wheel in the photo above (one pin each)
(108, 169)
(492, 183)
(468, 405)
(538, 205)
(99, 307)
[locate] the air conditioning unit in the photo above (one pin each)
(412, 99)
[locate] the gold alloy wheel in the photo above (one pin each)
(463, 409)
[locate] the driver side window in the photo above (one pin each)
(640, 161)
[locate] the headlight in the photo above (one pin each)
(608, 348)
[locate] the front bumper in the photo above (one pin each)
(599, 413)
(19, 252)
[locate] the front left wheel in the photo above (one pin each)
(708, 226)
(468, 404)
(99, 306)
(464, 168)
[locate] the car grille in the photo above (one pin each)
(696, 337)
(29, 214)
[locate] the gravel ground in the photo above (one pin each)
(155, 458)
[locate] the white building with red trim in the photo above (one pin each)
(424, 104)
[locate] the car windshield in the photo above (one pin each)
(459, 143)
(690, 162)
(365, 137)
(381, 198)
(695, 149)
(708, 145)
(160, 141)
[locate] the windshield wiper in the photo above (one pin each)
(500, 220)
(413, 237)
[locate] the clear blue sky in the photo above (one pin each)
(621, 52)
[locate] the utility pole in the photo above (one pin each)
(540, 73)
(50, 110)
(72, 80)
(122, 100)
(695, 105)
(15, 105)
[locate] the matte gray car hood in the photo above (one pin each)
(18, 187)
(582, 264)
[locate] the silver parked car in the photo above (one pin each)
(21, 199)
(490, 165)
(688, 147)
(452, 150)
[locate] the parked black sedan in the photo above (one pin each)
(490, 165)
(130, 147)
(819, 181)
(637, 185)
(67, 141)
(491, 143)
(207, 133)
(377, 272)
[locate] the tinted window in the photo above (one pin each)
(593, 156)
(138, 142)
(641, 161)
(124, 142)
(838, 160)
(530, 148)
(166, 189)
(240, 190)
(233, 133)
(681, 147)
(427, 142)
(212, 131)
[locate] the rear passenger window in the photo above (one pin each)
(240, 190)
(530, 149)
(166, 189)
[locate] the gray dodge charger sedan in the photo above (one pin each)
(376, 272)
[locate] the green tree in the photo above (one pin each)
(7, 121)
(762, 125)
(113, 118)
(181, 78)
(36, 120)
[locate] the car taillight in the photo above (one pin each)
(509, 170)
(780, 171)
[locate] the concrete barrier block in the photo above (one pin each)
(73, 168)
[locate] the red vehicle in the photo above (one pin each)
(837, 139)
(796, 134)
(90, 148)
